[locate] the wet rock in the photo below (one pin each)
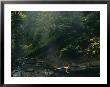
(17, 74)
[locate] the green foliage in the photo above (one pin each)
(93, 47)
(55, 35)
(17, 19)
(91, 22)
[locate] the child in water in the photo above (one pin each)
(66, 66)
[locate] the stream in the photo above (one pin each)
(60, 72)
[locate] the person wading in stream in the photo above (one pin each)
(66, 66)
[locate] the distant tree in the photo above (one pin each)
(16, 36)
